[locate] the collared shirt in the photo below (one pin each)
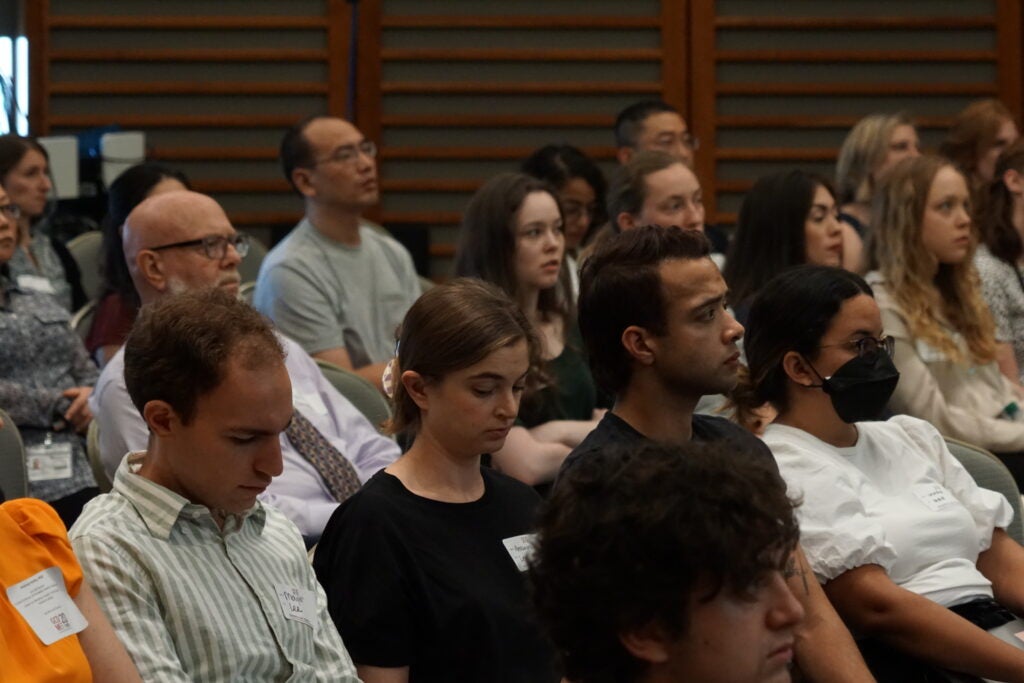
(50, 268)
(299, 492)
(194, 602)
(41, 357)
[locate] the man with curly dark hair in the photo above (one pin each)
(661, 562)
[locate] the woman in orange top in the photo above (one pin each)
(51, 627)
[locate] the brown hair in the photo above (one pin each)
(180, 345)
(910, 270)
(995, 221)
(629, 188)
(974, 129)
(864, 150)
(450, 327)
(13, 148)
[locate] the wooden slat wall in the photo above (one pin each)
(468, 89)
(780, 84)
(213, 85)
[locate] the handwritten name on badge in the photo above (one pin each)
(520, 548)
(297, 604)
(43, 601)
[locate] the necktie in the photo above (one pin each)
(337, 472)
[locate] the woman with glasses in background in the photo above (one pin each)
(39, 262)
(910, 550)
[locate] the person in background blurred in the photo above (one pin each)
(978, 136)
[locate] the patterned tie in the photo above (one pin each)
(337, 472)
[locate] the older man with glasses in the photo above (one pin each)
(337, 285)
(183, 241)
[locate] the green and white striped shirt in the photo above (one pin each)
(193, 602)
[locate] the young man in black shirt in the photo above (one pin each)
(652, 310)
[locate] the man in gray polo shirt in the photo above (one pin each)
(336, 285)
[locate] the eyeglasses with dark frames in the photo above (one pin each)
(214, 247)
(868, 347)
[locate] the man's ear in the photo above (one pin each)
(799, 370)
(415, 386)
(624, 154)
(1013, 181)
(151, 268)
(648, 643)
(160, 417)
(302, 178)
(625, 221)
(636, 341)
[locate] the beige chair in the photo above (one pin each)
(249, 268)
(990, 473)
(13, 478)
(363, 395)
(86, 249)
(81, 321)
(92, 449)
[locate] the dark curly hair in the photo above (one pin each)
(632, 531)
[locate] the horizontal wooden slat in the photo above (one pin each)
(186, 88)
(201, 22)
(725, 218)
(478, 152)
(175, 120)
(530, 88)
(497, 120)
(213, 153)
(572, 21)
(808, 121)
(520, 55)
(240, 185)
(240, 218)
(853, 23)
(775, 154)
(818, 56)
(187, 55)
(430, 184)
(734, 186)
(838, 88)
(446, 250)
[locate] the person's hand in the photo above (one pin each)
(78, 415)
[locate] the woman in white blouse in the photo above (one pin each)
(912, 553)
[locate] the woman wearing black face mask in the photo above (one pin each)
(909, 549)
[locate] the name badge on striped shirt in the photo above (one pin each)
(297, 604)
(43, 601)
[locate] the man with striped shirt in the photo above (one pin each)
(201, 581)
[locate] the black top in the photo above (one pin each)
(430, 585)
(612, 429)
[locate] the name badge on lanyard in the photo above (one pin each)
(48, 460)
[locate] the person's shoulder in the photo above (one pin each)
(292, 249)
(507, 487)
(713, 427)
(34, 517)
(108, 517)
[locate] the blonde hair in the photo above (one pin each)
(910, 270)
(864, 150)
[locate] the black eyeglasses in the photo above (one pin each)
(12, 211)
(214, 247)
(867, 347)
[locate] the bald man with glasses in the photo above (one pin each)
(335, 284)
(183, 241)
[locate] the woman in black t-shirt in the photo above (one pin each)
(422, 567)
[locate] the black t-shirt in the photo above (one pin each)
(430, 585)
(612, 429)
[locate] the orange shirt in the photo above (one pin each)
(32, 538)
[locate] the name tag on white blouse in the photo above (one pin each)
(43, 601)
(36, 283)
(48, 461)
(298, 604)
(934, 496)
(520, 549)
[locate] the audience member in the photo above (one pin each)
(183, 241)
(512, 237)
(45, 381)
(423, 566)
(653, 125)
(653, 188)
(873, 146)
(52, 630)
(931, 303)
(708, 601)
(909, 548)
(336, 285)
(40, 263)
(999, 258)
(653, 317)
(788, 218)
(118, 301)
(200, 580)
(978, 136)
(581, 191)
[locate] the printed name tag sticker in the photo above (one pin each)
(48, 461)
(43, 601)
(36, 283)
(297, 604)
(934, 496)
(520, 549)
